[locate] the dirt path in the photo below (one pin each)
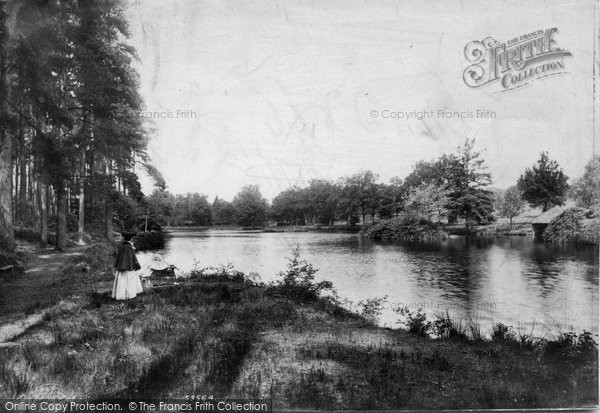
(43, 285)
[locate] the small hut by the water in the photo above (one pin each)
(540, 223)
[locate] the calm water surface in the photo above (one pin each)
(531, 286)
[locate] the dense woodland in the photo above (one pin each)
(72, 144)
(71, 137)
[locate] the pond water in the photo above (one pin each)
(534, 287)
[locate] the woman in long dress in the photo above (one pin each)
(127, 281)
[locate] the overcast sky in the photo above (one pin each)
(283, 90)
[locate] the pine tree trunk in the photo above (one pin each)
(7, 237)
(69, 200)
(32, 194)
(43, 202)
(52, 201)
(61, 217)
(81, 222)
(108, 204)
(15, 174)
(90, 197)
(7, 240)
(30, 181)
(108, 218)
(22, 203)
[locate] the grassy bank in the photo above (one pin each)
(491, 230)
(220, 332)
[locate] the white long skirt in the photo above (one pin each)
(127, 285)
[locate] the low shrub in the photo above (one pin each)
(97, 259)
(150, 240)
(572, 348)
(407, 227)
(502, 332)
(445, 327)
(298, 281)
(442, 326)
(223, 273)
(371, 308)
(415, 321)
(11, 265)
(590, 230)
(577, 225)
(27, 234)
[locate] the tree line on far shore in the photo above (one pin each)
(454, 186)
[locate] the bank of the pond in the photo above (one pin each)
(574, 225)
(220, 333)
(314, 228)
(411, 229)
(271, 228)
